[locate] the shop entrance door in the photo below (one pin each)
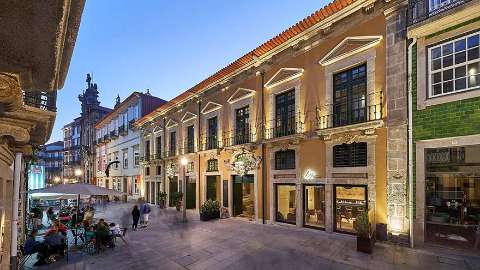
(172, 188)
(243, 196)
(191, 193)
(212, 187)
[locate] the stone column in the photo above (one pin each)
(396, 104)
(6, 188)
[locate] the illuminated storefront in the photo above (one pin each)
(36, 177)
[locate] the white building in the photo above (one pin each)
(117, 141)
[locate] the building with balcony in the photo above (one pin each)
(116, 140)
(50, 156)
(80, 137)
(33, 67)
(298, 130)
(72, 154)
(444, 76)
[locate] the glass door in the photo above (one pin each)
(314, 206)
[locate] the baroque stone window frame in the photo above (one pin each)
(293, 84)
(368, 57)
(238, 104)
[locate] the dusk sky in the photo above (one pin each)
(166, 46)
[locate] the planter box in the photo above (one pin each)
(209, 215)
(365, 244)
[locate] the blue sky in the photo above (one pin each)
(166, 46)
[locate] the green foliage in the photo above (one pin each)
(210, 207)
(177, 197)
(362, 226)
(162, 195)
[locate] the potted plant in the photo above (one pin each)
(161, 198)
(209, 210)
(364, 236)
(177, 200)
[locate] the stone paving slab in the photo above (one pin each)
(238, 244)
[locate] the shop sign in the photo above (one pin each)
(284, 176)
(309, 175)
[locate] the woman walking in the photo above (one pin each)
(136, 217)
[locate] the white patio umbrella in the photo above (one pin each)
(78, 189)
(56, 196)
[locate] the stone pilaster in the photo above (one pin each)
(396, 100)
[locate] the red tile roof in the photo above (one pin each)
(261, 50)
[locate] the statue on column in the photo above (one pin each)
(89, 80)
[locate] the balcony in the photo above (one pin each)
(131, 124)
(363, 113)
(420, 10)
(145, 159)
(209, 142)
(42, 100)
(113, 135)
(122, 130)
(238, 137)
(284, 127)
(188, 146)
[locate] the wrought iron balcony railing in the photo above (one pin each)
(122, 130)
(209, 142)
(188, 146)
(40, 99)
(130, 124)
(106, 138)
(420, 10)
(284, 127)
(113, 134)
(238, 137)
(355, 111)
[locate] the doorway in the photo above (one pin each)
(212, 187)
(243, 196)
(191, 193)
(172, 188)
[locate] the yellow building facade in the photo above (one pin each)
(296, 131)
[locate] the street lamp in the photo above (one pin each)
(184, 163)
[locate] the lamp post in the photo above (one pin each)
(184, 163)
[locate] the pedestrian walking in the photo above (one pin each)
(136, 217)
(145, 214)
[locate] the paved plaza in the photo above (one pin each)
(238, 244)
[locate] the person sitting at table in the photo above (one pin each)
(57, 225)
(102, 233)
(33, 246)
(55, 242)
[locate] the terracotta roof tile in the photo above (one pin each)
(262, 49)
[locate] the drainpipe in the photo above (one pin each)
(164, 163)
(264, 171)
(410, 139)
(15, 200)
(198, 148)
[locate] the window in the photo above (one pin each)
(136, 158)
(350, 202)
(350, 155)
(212, 140)
(147, 170)
(285, 114)
(349, 99)
(125, 159)
(242, 126)
(286, 204)
(159, 146)
(173, 143)
(190, 139)
(285, 160)
(190, 167)
(212, 165)
(147, 150)
(116, 159)
(159, 170)
(314, 198)
(454, 66)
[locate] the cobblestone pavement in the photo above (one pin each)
(237, 244)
